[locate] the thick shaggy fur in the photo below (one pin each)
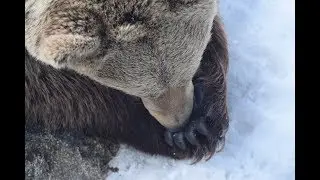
(65, 100)
(67, 157)
(146, 48)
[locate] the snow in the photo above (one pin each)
(260, 143)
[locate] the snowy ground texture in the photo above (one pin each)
(260, 142)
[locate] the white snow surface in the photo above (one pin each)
(260, 143)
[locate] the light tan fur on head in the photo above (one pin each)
(147, 48)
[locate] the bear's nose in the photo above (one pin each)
(173, 108)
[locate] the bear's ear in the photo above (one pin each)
(57, 49)
(63, 32)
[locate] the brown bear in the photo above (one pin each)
(149, 73)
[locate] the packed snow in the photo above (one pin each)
(260, 142)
